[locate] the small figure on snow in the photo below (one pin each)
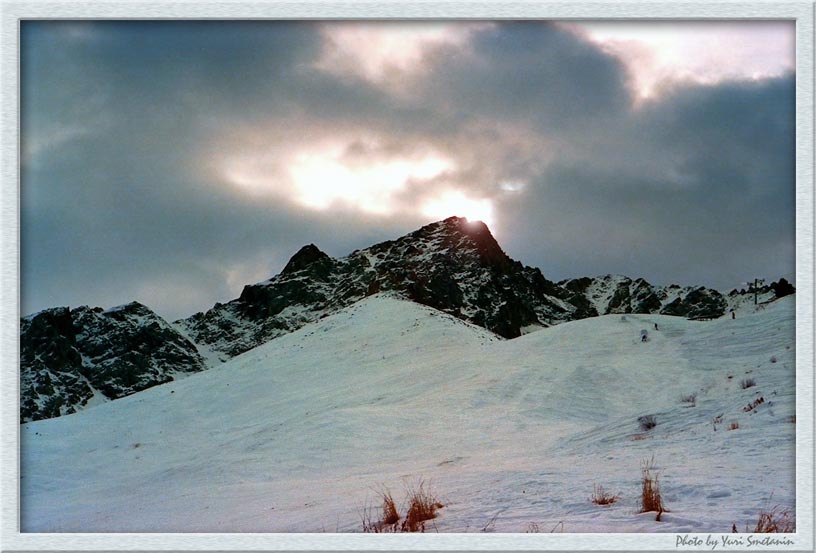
(733, 314)
(644, 335)
(656, 327)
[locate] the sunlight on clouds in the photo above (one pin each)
(323, 179)
(657, 54)
(511, 186)
(375, 51)
(454, 202)
(326, 177)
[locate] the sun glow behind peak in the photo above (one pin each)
(456, 203)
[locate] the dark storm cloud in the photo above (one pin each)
(124, 126)
(717, 206)
(124, 202)
(531, 72)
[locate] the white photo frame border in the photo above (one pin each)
(11, 13)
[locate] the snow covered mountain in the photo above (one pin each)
(453, 265)
(74, 358)
(297, 434)
(620, 294)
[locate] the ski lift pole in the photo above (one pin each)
(756, 285)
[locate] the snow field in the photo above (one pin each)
(298, 434)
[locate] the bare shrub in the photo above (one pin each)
(690, 398)
(734, 425)
(601, 496)
(775, 521)
(422, 506)
(650, 498)
(532, 528)
(647, 422)
(747, 383)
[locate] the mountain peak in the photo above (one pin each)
(133, 307)
(307, 255)
(483, 240)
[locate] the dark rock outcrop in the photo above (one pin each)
(782, 288)
(700, 303)
(618, 294)
(70, 356)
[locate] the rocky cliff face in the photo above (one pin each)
(619, 294)
(452, 265)
(70, 358)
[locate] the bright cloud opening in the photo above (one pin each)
(323, 180)
(327, 177)
(704, 52)
(456, 203)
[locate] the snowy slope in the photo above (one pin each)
(294, 435)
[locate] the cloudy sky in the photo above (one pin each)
(174, 162)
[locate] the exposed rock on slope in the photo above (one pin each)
(70, 357)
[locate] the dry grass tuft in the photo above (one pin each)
(387, 523)
(601, 497)
(775, 521)
(650, 499)
(747, 383)
(390, 515)
(532, 528)
(422, 506)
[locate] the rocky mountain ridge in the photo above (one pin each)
(453, 265)
(70, 358)
(73, 358)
